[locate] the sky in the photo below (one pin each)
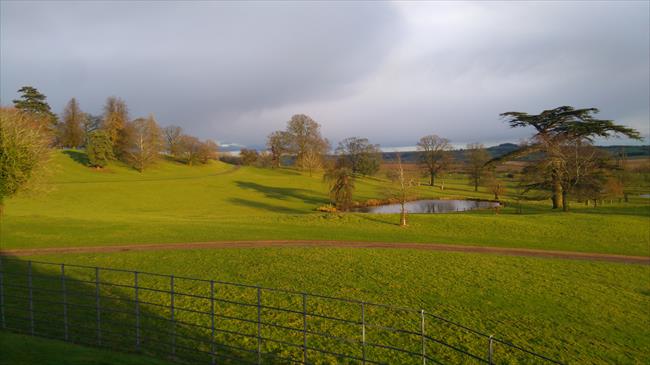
(388, 71)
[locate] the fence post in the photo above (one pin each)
(212, 321)
(259, 325)
(65, 303)
(2, 297)
(304, 328)
(173, 319)
(424, 344)
(363, 332)
(490, 349)
(31, 297)
(98, 308)
(137, 312)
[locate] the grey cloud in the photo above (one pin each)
(391, 72)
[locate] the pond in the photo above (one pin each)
(430, 206)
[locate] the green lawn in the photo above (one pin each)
(26, 350)
(576, 311)
(78, 206)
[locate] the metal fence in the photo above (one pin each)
(198, 321)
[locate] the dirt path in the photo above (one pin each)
(645, 260)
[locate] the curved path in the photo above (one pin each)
(644, 260)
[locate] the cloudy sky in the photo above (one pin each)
(391, 72)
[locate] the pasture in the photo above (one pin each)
(576, 311)
(78, 206)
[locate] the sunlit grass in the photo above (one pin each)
(176, 203)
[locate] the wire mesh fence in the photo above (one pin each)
(197, 321)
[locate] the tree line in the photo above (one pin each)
(113, 135)
(563, 160)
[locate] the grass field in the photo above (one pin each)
(79, 206)
(26, 350)
(576, 311)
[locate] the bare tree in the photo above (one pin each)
(477, 157)
(145, 144)
(433, 157)
(360, 155)
(278, 143)
(193, 151)
(402, 188)
(172, 135)
(248, 156)
(305, 140)
(312, 160)
(494, 185)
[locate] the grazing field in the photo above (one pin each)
(19, 350)
(78, 206)
(575, 311)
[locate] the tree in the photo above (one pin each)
(172, 135)
(90, 123)
(209, 151)
(248, 156)
(433, 157)
(24, 151)
(305, 140)
(278, 143)
(494, 185)
(193, 151)
(99, 149)
(311, 160)
(556, 128)
(402, 188)
(34, 103)
(145, 143)
(477, 156)
(359, 155)
(72, 135)
(341, 185)
(116, 116)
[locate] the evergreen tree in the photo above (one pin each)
(116, 116)
(33, 102)
(99, 149)
(73, 121)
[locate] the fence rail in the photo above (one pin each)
(190, 320)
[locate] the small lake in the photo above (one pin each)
(430, 206)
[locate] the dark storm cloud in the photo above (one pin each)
(391, 72)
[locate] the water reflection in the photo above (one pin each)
(430, 206)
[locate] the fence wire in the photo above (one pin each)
(197, 321)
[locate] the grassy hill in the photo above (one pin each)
(79, 206)
(577, 311)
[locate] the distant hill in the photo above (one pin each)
(504, 148)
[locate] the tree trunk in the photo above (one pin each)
(432, 178)
(402, 221)
(565, 201)
(557, 193)
(475, 184)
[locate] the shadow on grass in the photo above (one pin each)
(282, 193)
(122, 319)
(265, 206)
(373, 218)
(77, 156)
